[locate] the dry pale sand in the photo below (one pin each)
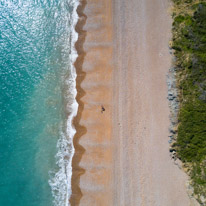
(122, 155)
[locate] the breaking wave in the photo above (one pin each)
(60, 181)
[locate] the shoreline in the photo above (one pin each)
(77, 171)
(122, 154)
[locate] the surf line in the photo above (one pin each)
(61, 181)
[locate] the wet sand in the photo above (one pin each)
(122, 154)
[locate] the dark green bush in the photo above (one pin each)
(189, 44)
(191, 139)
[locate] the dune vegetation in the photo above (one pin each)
(189, 46)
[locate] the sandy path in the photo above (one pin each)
(122, 154)
(144, 172)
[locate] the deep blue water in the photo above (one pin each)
(34, 58)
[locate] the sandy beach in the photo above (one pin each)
(122, 154)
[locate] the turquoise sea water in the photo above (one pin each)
(36, 87)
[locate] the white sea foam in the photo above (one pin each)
(60, 182)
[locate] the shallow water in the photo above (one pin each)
(37, 87)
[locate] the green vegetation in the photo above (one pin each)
(189, 44)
